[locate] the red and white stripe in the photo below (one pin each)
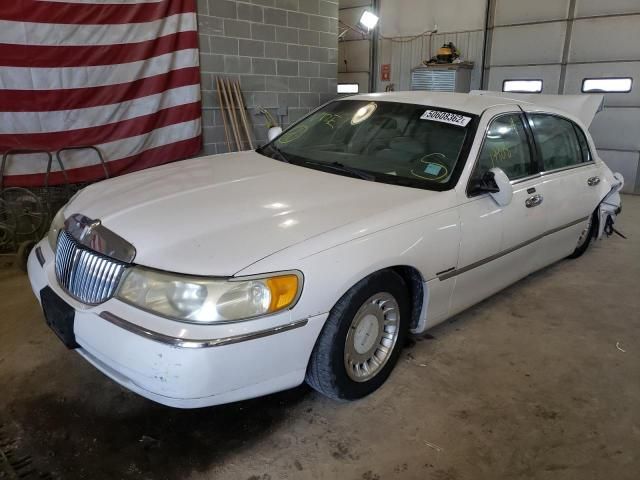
(122, 75)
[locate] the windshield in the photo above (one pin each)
(389, 142)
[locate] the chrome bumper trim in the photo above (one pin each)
(197, 343)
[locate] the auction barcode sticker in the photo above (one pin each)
(446, 117)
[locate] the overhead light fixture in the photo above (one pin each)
(363, 113)
(369, 20)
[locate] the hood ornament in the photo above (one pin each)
(95, 236)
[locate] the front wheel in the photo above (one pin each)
(360, 343)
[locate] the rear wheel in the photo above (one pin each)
(362, 338)
(585, 237)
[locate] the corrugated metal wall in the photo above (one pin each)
(406, 55)
(563, 42)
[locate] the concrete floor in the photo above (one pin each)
(540, 381)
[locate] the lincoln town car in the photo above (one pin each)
(312, 258)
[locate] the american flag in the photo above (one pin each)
(122, 75)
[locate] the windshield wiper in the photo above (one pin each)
(345, 169)
(277, 151)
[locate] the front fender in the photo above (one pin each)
(429, 244)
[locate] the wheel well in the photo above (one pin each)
(414, 282)
(596, 221)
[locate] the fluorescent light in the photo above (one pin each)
(369, 20)
(522, 86)
(615, 85)
(348, 88)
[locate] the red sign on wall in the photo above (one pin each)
(385, 72)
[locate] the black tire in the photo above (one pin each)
(593, 228)
(326, 371)
(22, 257)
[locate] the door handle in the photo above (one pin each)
(593, 181)
(533, 201)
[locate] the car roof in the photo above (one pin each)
(581, 108)
(462, 102)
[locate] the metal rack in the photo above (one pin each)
(25, 213)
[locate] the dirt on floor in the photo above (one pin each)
(541, 381)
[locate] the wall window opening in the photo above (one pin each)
(348, 88)
(607, 85)
(522, 86)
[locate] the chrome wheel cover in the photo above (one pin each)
(584, 235)
(372, 336)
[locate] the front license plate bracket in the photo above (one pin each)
(60, 317)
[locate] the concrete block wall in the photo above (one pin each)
(283, 52)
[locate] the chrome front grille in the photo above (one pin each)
(87, 276)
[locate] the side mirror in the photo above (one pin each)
(273, 133)
(496, 183)
(502, 190)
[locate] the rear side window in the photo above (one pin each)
(557, 140)
(584, 145)
(506, 146)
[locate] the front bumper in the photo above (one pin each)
(182, 365)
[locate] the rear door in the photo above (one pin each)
(570, 180)
(498, 244)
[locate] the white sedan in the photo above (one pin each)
(228, 277)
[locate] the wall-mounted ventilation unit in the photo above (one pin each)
(442, 78)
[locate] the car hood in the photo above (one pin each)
(219, 214)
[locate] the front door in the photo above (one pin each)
(498, 244)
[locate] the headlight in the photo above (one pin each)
(56, 225)
(208, 300)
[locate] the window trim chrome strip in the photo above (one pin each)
(197, 343)
(546, 173)
(569, 167)
(479, 263)
(517, 181)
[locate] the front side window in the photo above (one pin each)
(557, 141)
(505, 146)
(389, 142)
